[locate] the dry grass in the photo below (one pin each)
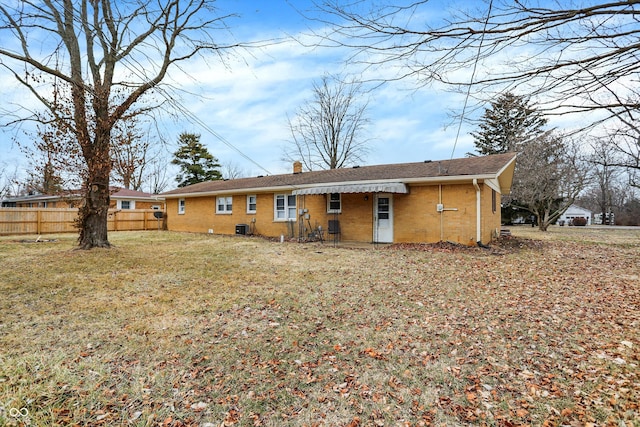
(184, 329)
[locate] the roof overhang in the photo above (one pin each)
(505, 176)
(368, 187)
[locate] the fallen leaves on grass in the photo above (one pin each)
(222, 332)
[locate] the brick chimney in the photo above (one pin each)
(297, 167)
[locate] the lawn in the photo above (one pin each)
(172, 329)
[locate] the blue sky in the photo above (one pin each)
(241, 107)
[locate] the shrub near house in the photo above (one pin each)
(579, 222)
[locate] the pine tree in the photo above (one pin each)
(507, 124)
(195, 161)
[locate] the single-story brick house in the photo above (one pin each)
(121, 198)
(454, 200)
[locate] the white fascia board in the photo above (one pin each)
(142, 199)
(493, 184)
(447, 179)
(426, 180)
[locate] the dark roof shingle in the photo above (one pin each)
(470, 166)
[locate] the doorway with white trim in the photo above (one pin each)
(383, 218)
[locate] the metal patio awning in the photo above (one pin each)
(371, 187)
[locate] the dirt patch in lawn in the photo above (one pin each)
(501, 246)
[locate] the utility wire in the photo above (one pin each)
(473, 74)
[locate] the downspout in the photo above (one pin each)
(441, 213)
(478, 214)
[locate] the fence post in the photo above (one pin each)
(38, 221)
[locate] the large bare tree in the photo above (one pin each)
(157, 175)
(328, 129)
(549, 176)
(109, 53)
(606, 175)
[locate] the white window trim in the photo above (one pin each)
(255, 198)
(227, 203)
(182, 204)
(286, 208)
(329, 210)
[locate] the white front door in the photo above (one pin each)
(383, 218)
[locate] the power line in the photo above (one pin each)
(473, 74)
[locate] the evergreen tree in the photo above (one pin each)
(507, 124)
(195, 161)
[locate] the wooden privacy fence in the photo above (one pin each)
(47, 221)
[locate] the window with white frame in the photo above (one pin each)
(334, 203)
(224, 204)
(251, 203)
(181, 206)
(126, 204)
(285, 207)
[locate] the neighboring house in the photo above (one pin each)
(574, 212)
(450, 200)
(609, 219)
(120, 199)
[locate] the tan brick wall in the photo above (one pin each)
(200, 216)
(415, 216)
(491, 219)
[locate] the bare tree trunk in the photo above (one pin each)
(92, 216)
(543, 222)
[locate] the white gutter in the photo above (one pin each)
(478, 217)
